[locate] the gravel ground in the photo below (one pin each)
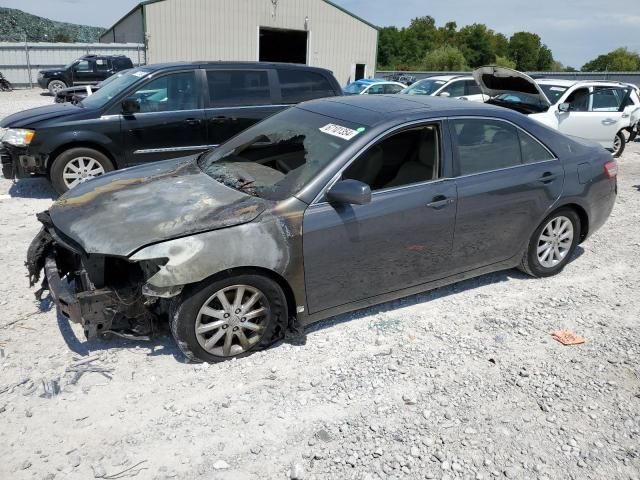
(463, 382)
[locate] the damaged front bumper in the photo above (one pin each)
(77, 286)
(21, 162)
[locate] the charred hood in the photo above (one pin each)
(121, 212)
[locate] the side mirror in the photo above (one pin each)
(564, 107)
(444, 94)
(351, 192)
(130, 106)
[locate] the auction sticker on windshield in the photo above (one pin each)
(339, 131)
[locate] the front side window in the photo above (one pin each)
(299, 85)
(483, 145)
(408, 157)
(393, 89)
(376, 89)
(235, 88)
(471, 88)
(83, 66)
(578, 100)
(454, 89)
(169, 93)
(355, 88)
(277, 157)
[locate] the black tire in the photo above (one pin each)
(185, 308)
(530, 263)
(7, 171)
(55, 85)
(633, 133)
(61, 161)
(622, 142)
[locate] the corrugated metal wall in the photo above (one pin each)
(229, 30)
(129, 29)
(16, 58)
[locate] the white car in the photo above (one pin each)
(593, 109)
(373, 87)
(454, 86)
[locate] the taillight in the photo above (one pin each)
(611, 169)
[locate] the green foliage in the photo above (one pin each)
(423, 44)
(445, 58)
(504, 62)
(18, 26)
(619, 60)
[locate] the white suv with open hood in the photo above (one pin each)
(593, 109)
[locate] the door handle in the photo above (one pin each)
(440, 201)
(609, 121)
(222, 119)
(192, 121)
(547, 177)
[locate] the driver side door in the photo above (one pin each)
(401, 238)
(170, 122)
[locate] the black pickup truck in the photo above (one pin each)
(87, 70)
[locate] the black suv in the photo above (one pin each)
(87, 70)
(150, 113)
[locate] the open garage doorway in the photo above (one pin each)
(288, 46)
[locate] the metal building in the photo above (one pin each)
(315, 32)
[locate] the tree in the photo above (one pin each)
(524, 49)
(545, 59)
(504, 62)
(500, 45)
(445, 58)
(619, 60)
(476, 44)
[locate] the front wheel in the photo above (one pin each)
(552, 244)
(55, 86)
(618, 144)
(228, 318)
(78, 165)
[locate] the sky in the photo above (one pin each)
(575, 30)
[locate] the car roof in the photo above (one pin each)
(556, 81)
(205, 63)
(447, 78)
(373, 109)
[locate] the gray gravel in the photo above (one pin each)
(461, 383)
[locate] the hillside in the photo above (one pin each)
(14, 24)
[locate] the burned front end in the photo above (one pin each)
(100, 292)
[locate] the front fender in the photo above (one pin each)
(71, 139)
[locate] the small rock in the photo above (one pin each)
(297, 472)
(75, 460)
(409, 399)
(99, 471)
(220, 465)
(26, 464)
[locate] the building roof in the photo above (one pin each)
(148, 2)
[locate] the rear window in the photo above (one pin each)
(300, 85)
(121, 63)
(234, 88)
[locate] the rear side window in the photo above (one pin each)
(234, 88)
(393, 89)
(471, 88)
(300, 85)
(102, 64)
(455, 89)
(484, 145)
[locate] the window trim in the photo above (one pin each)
(405, 126)
(455, 157)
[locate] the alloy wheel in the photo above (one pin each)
(555, 241)
(617, 144)
(232, 320)
(81, 169)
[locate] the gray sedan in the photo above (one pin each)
(321, 209)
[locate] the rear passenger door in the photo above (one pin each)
(236, 99)
(506, 182)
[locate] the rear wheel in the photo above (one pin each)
(55, 86)
(618, 144)
(552, 244)
(229, 318)
(77, 165)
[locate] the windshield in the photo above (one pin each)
(553, 92)
(108, 90)
(355, 87)
(113, 77)
(275, 158)
(424, 87)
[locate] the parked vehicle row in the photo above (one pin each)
(593, 109)
(323, 208)
(151, 113)
(373, 86)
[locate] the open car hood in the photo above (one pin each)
(119, 213)
(494, 81)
